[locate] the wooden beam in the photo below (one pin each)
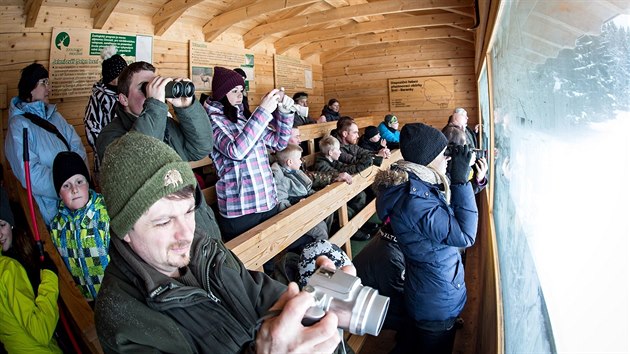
(169, 13)
(330, 55)
(222, 22)
(286, 43)
(386, 37)
(32, 9)
(256, 34)
(101, 11)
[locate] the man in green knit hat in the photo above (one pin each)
(172, 287)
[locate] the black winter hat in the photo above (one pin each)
(370, 132)
(5, 208)
(28, 81)
(112, 67)
(241, 72)
(66, 165)
(420, 143)
(223, 81)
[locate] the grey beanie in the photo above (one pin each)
(138, 170)
(420, 143)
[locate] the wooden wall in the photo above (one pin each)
(20, 46)
(359, 79)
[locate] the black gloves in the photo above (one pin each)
(48, 263)
(459, 165)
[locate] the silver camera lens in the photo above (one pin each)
(360, 309)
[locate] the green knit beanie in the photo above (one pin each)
(137, 171)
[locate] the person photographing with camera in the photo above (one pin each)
(173, 287)
(246, 192)
(431, 217)
(142, 107)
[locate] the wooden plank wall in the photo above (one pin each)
(359, 79)
(20, 46)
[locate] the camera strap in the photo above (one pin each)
(46, 125)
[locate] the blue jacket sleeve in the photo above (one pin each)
(388, 135)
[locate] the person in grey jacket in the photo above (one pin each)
(171, 286)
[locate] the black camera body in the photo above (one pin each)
(481, 153)
(174, 89)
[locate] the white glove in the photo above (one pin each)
(287, 105)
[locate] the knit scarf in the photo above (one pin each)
(426, 174)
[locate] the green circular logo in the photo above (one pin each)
(63, 39)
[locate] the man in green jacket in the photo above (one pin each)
(172, 287)
(145, 111)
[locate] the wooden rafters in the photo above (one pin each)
(256, 34)
(285, 43)
(101, 11)
(391, 36)
(169, 13)
(222, 22)
(31, 10)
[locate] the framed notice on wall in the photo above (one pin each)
(204, 57)
(75, 57)
(421, 93)
(292, 74)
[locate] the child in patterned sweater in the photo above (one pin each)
(80, 230)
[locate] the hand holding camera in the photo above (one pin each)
(286, 104)
(481, 168)
(270, 101)
(285, 334)
(459, 165)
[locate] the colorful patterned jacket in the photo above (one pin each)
(82, 239)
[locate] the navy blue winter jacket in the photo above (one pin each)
(429, 232)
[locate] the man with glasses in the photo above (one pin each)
(48, 134)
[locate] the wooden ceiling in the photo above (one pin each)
(311, 26)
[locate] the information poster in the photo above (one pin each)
(292, 74)
(75, 57)
(204, 57)
(421, 93)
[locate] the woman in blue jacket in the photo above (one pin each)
(431, 218)
(43, 145)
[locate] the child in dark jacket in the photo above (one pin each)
(371, 140)
(80, 230)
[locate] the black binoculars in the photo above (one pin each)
(174, 89)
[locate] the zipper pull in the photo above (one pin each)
(212, 297)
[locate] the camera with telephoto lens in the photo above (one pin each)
(360, 309)
(174, 89)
